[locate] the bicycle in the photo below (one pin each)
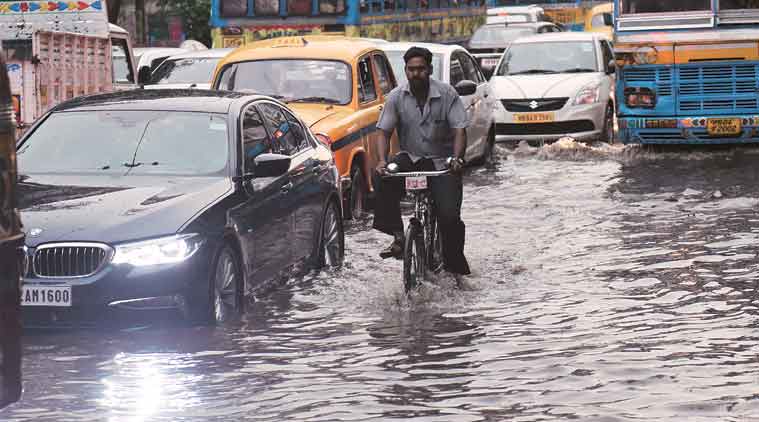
(423, 248)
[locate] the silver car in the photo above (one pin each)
(452, 64)
(555, 85)
(188, 70)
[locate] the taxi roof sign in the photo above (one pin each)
(290, 42)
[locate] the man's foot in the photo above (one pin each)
(395, 250)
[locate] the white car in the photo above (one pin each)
(188, 70)
(453, 64)
(515, 14)
(555, 85)
(152, 57)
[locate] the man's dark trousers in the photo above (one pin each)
(447, 195)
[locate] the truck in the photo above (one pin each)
(56, 51)
(688, 71)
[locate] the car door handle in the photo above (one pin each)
(286, 188)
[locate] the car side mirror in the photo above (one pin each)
(608, 19)
(611, 67)
(466, 87)
(270, 165)
(143, 75)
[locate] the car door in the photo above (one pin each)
(264, 220)
(479, 114)
(607, 55)
(386, 82)
(470, 103)
(370, 105)
(306, 194)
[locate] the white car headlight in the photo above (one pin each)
(164, 250)
(589, 94)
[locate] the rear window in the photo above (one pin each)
(185, 71)
(498, 34)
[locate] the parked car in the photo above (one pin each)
(185, 199)
(452, 64)
(11, 258)
(489, 41)
(543, 96)
(336, 84)
(188, 70)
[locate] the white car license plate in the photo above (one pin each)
(416, 183)
(32, 295)
(489, 62)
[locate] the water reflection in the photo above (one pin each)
(619, 286)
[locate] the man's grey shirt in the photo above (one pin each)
(425, 133)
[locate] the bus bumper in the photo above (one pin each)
(663, 130)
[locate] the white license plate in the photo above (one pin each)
(489, 62)
(416, 183)
(46, 296)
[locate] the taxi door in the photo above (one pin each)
(370, 103)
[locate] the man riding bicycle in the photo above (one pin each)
(431, 121)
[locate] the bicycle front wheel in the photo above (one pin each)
(413, 257)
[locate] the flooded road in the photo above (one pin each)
(610, 284)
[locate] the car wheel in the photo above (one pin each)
(330, 250)
(223, 299)
(487, 154)
(357, 195)
(608, 130)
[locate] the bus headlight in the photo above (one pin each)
(640, 97)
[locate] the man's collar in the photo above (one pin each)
(434, 90)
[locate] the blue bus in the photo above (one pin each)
(688, 71)
(237, 22)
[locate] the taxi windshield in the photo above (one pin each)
(326, 81)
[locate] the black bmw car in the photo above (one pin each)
(171, 199)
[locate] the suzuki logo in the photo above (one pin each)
(533, 104)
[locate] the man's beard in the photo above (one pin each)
(419, 85)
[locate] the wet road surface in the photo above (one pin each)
(611, 284)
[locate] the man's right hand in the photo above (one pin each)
(381, 168)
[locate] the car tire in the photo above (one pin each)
(223, 300)
(487, 154)
(607, 135)
(357, 195)
(330, 243)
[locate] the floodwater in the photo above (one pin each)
(610, 284)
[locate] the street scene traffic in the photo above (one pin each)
(357, 210)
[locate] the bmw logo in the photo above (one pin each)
(35, 232)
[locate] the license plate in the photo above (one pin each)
(723, 126)
(416, 183)
(533, 117)
(489, 62)
(59, 296)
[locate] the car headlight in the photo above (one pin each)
(589, 94)
(164, 250)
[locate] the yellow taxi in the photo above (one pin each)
(336, 84)
(600, 19)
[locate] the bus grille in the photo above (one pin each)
(661, 76)
(69, 260)
(717, 88)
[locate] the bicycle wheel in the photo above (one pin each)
(413, 257)
(434, 247)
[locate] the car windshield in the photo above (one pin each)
(325, 81)
(399, 65)
(135, 142)
(536, 58)
(185, 71)
(498, 34)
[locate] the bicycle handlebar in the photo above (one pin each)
(418, 173)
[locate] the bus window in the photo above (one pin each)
(738, 4)
(299, 7)
(659, 6)
(267, 7)
(234, 8)
(331, 7)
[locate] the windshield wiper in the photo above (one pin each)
(533, 72)
(314, 100)
(579, 70)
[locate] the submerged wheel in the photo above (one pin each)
(331, 246)
(435, 248)
(413, 258)
(358, 194)
(607, 135)
(222, 300)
